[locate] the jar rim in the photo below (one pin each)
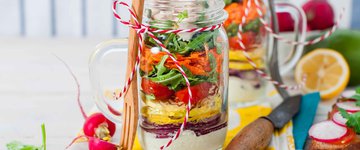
(211, 12)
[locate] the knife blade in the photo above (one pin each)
(285, 111)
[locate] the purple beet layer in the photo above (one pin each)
(200, 128)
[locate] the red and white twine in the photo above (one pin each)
(269, 29)
(142, 29)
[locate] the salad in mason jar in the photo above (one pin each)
(163, 90)
(245, 84)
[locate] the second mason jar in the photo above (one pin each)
(163, 91)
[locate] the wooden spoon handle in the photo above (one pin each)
(256, 135)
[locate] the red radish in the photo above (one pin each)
(319, 13)
(349, 106)
(338, 119)
(96, 122)
(348, 93)
(97, 144)
(348, 138)
(97, 128)
(327, 131)
(286, 22)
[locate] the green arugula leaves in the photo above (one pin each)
(175, 45)
(16, 145)
(253, 26)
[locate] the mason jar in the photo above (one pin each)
(246, 85)
(162, 88)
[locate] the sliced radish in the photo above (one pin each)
(348, 93)
(327, 131)
(339, 119)
(349, 106)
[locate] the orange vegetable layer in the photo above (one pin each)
(236, 12)
(197, 63)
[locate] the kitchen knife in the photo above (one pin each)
(257, 135)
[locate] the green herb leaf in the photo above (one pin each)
(353, 119)
(168, 24)
(15, 145)
(170, 79)
(160, 67)
(198, 42)
(253, 26)
(212, 61)
(344, 113)
(227, 2)
(183, 15)
(232, 30)
(43, 131)
(357, 96)
(357, 90)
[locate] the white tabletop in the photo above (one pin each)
(36, 88)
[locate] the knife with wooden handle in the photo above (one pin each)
(257, 135)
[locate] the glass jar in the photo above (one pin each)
(163, 91)
(246, 86)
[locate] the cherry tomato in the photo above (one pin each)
(161, 92)
(249, 38)
(199, 92)
(234, 43)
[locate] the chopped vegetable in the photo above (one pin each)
(158, 90)
(199, 92)
(349, 106)
(328, 132)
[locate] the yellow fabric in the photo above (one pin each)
(247, 115)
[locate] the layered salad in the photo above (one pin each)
(163, 92)
(244, 83)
